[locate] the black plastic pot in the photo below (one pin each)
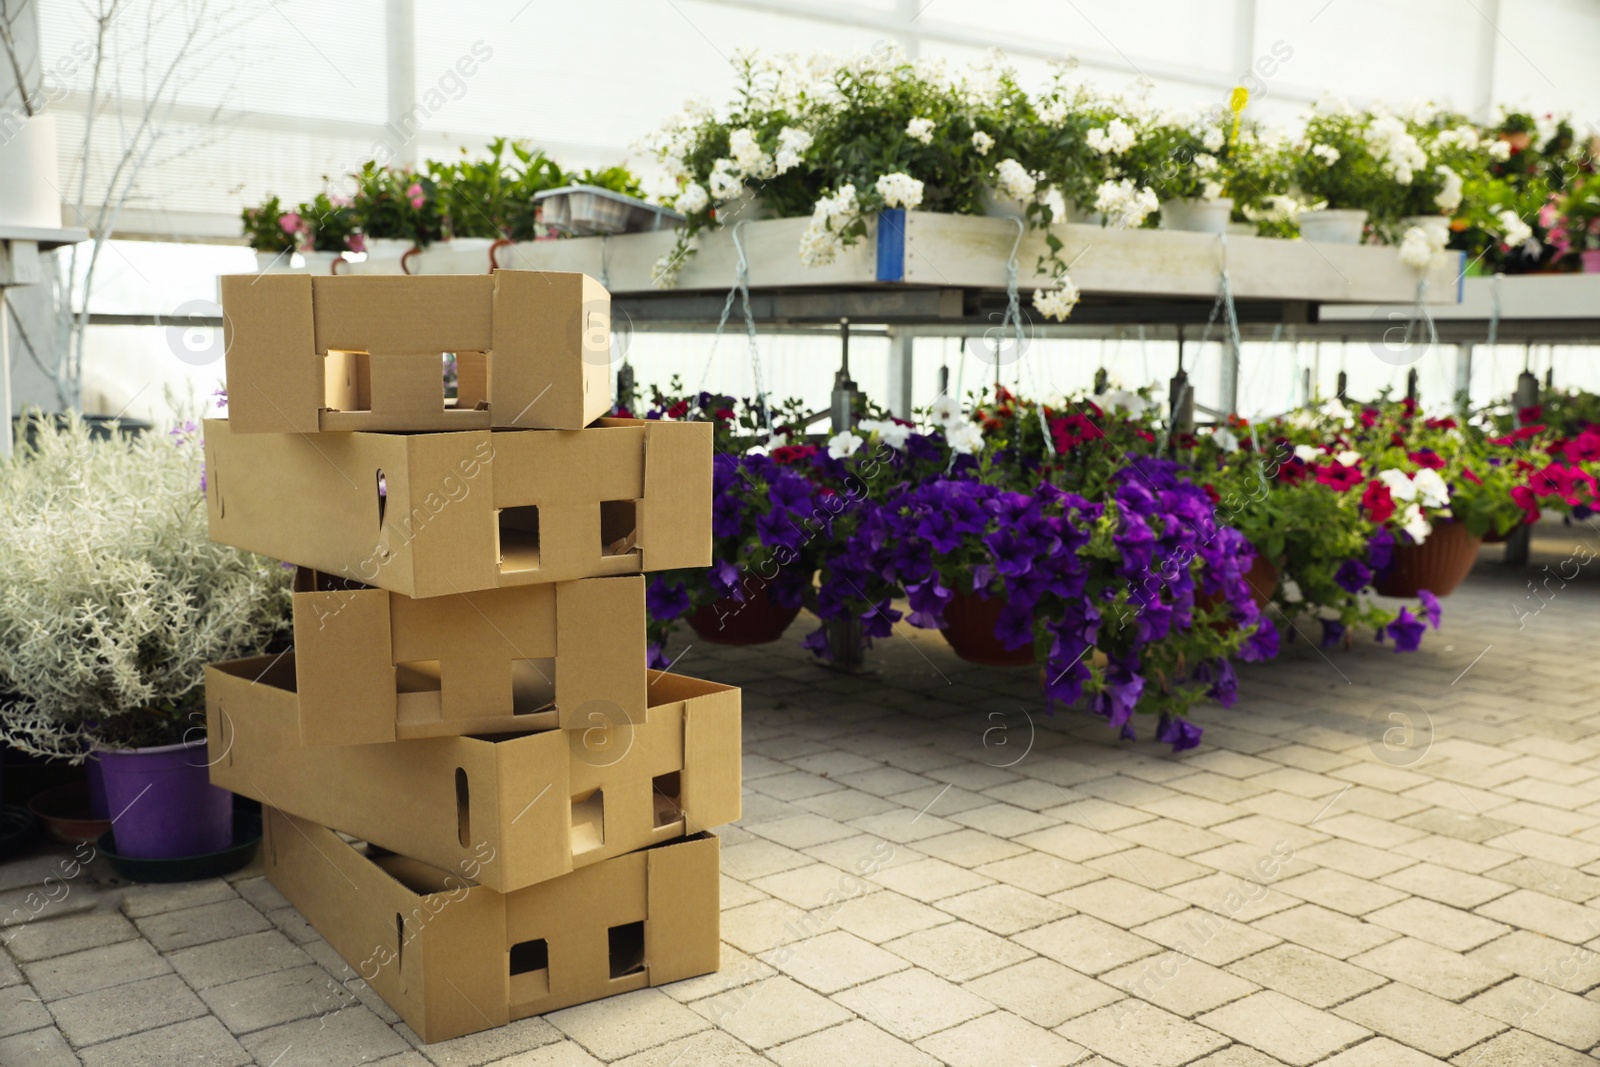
(246, 837)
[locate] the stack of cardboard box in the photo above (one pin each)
(473, 787)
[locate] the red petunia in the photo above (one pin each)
(787, 454)
(1530, 414)
(1368, 417)
(1338, 476)
(1466, 472)
(725, 414)
(1523, 497)
(1409, 406)
(678, 410)
(1293, 472)
(1377, 501)
(1145, 435)
(1427, 458)
(1071, 430)
(1445, 423)
(1585, 448)
(1212, 494)
(1397, 440)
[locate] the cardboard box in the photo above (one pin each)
(308, 354)
(430, 514)
(542, 803)
(375, 666)
(452, 958)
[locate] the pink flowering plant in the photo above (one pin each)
(397, 203)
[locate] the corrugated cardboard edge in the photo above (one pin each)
(437, 959)
(274, 372)
(684, 937)
(595, 629)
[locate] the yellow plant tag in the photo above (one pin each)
(1237, 100)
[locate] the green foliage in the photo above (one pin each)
(264, 230)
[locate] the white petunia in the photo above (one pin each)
(1014, 180)
(1291, 591)
(1413, 522)
(900, 190)
(1326, 152)
(1516, 231)
(945, 410)
(1205, 163)
(964, 437)
(1210, 190)
(891, 433)
(920, 130)
(1225, 439)
(982, 142)
(1417, 249)
(1112, 139)
(1054, 113)
(1499, 151)
(1125, 203)
(748, 156)
(693, 199)
(1306, 453)
(1122, 400)
(792, 145)
(1057, 303)
(1348, 459)
(820, 243)
(1449, 197)
(844, 444)
(726, 182)
(1214, 139)
(1401, 487)
(1431, 488)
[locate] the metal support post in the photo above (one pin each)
(901, 350)
(625, 388)
(1230, 378)
(844, 635)
(1463, 379)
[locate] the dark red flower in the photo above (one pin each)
(1466, 472)
(1368, 417)
(1427, 458)
(1409, 406)
(1585, 448)
(1530, 414)
(1145, 435)
(1338, 476)
(678, 410)
(1293, 472)
(725, 414)
(1523, 497)
(1445, 423)
(787, 454)
(1377, 501)
(1211, 492)
(1397, 440)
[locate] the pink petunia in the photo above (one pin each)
(356, 242)
(414, 194)
(291, 222)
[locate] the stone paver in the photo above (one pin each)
(1277, 896)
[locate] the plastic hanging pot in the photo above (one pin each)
(969, 622)
(1437, 565)
(162, 802)
(755, 621)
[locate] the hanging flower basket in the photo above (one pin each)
(969, 621)
(1263, 577)
(755, 621)
(1437, 565)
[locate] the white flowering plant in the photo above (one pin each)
(115, 599)
(1334, 164)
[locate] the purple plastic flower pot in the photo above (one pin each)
(162, 802)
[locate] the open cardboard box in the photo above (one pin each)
(374, 666)
(308, 354)
(435, 513)
(541, 804)
(452, 958)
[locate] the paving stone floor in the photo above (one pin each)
(1372, 861)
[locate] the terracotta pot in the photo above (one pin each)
(67, 814)
(755, 621)
(969, 622)
(1263, 577)
(1437, 565)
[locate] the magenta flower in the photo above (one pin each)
(356, 243)
(414, 194)
(292, 223)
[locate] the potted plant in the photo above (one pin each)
(332, 228)
(1336, 167)
(397, 210)
(1196, 170)
(272, 232)
(1576, 225)
(115, 600)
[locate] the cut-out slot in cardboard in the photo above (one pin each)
(619, 527)
(399, 940)
(519, 538)
(588, 821)
(383, 497)
(463, 809)
(472, 381)
(664, 792)
(626, 943)
(533, 685)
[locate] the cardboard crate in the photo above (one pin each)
(452, 958)
(543, 803)
(430, 514)
(308, 354)
(375, 666)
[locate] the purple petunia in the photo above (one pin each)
(1380, 549)
(1178, 732)
(666, 600)
(1332, 632)
(1430, 607)
(1407, 631)
(1353, 576)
